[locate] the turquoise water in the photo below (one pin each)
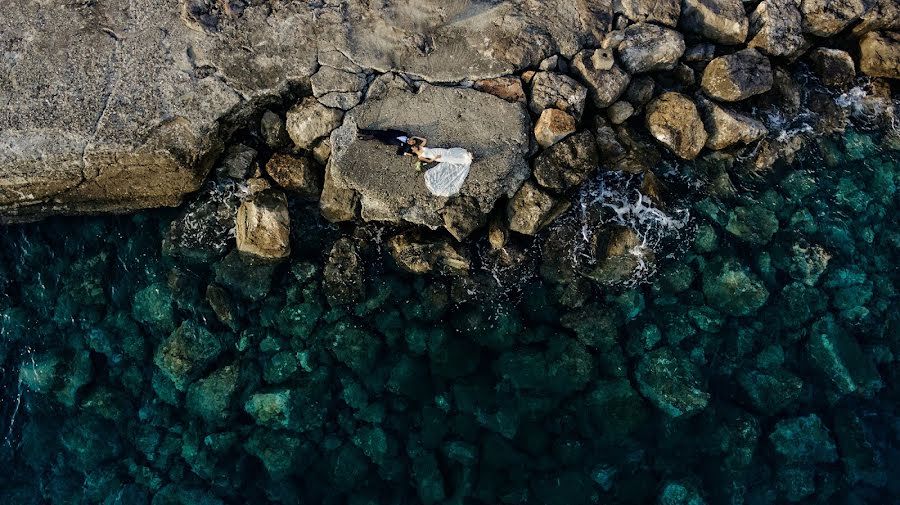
(747, 356)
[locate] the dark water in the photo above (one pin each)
(749, 358)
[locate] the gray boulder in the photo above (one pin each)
(880, 54)
(671, 382)
(727, 128)
(721, 21)
(388, 187)
(567, 163)
(673, 120)
(737, 76)
(550, 90)
(532, 209)
(664, 12)
(309, 121)
(647, 47)
(834, 66)
(825, 18)
(775, 26)
(605, 80)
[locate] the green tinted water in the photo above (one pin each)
(750, 358)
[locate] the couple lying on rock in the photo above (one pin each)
(444, 179)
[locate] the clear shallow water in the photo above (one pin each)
(750, 358)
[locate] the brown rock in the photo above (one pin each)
(531, 209)
(419, 256)
(310, 121)
(737, 76)
(722, 21)
(297, 174)
(567, 163)
(622, 256)
(550, 90)
(825, 18)
(833, 66)
(673, 120)
(553, 126)
(882, 15)
(508, 87)
(880, 54)
(776, 28)
(664, 12)
(727, 128)
(263, 226)
(337, 204)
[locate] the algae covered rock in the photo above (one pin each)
(210, 398)
(187, 352)
(671, 382)
(803, 440)
(755, 223)
(733, 289)
(839, 357)
(153, 307)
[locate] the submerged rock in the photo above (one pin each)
(672, 382)
(388, 187)
(733, 289)
(647, 47)
(722, 21)
(187, 352)
(672, 119)
(344, 274)
(880, 54)
(263, 226)
(210, 398)
(423, 256)
(737, 76)
(839, 358)
(803, 440)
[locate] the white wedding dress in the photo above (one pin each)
(448, 176)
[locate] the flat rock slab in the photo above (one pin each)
(390, 189)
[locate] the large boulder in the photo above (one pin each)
(263, 226)
(671, 382)
(566, 164)
(664, 12)
(297, 174)
(737, 76)
(834, 66)
(647, 48)
(309, 121)
(552, 126)
(187, 353)
(598, 70)
(338, 88)
(880, 54)
(673, 120)
(825, 18)
(722, 21)
(532, 208)
(388, 187)
(776, 28)
(726, 127)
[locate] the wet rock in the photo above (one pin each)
(671, 382)
(721, 21)
(263, 226)
(273, 130)
(153, 307)
(623, 256)
(673, 120)
(880, 54)
(640, 90)
(236, 162)
(309, 121)
(553, 126)
(770, 391)
(737, 76)
(566, 164)
(210, 398)
(337, 204)
(598, 71)
(733, 289)
(296, 174)
(647, 48)
(387, 186)
(881, 15)
(344, 273)
(833, 66)
(187, 353)
(531, 209)
(508, 87)
(420, 256)
(775, 27)
(860, 454)
(619, 112)
(220, 301)
(550, 90)
(825, 18)
(245, 275)
(839, 358)
(803, 440)
(755, 224)
(202, 231)
(664, 12)
(727, 128)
